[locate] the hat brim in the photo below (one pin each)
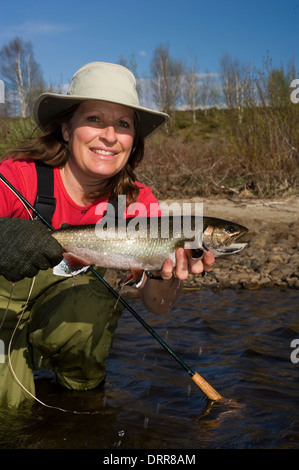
(49, 105)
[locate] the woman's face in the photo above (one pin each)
(100, 136)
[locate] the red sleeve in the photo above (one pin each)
(22, 176)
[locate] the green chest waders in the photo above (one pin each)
(68, 326)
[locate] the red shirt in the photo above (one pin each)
(22, 175)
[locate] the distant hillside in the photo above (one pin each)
(251, 151)
(255, 152)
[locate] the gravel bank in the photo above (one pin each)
(272, 256)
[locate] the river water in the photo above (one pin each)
(238, 340)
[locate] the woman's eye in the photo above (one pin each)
(124, 124)
(92, 118)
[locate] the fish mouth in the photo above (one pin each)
(233, 248)
(236, 243)
(237, 237)
(233, 245)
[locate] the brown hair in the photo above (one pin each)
(51, 148)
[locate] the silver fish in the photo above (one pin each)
(145, 243)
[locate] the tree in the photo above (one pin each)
(131, 64)
(200, 90)
(21, 73)
(208, 91)
(191, 88)
(232, 75)
(167, 77)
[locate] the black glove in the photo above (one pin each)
(26, 246)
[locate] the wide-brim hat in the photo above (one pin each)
(99, 81)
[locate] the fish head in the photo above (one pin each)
(223, 237)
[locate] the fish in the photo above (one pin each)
(143, 243)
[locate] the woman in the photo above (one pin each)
(93, 139)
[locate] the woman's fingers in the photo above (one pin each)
(185, 264)
(208, 261)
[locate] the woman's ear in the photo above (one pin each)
(65, 132)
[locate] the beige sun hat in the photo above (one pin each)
(99, 81)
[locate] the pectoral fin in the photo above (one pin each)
(75, 262)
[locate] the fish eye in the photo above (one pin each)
(230, 229)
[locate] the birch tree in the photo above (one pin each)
(21, 73)
(232, 73)
(131, 64)
(191, 90)
(167, 79)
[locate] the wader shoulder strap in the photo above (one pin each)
(45, 201)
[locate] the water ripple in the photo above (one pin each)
(239, 341)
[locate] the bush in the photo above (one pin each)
(13, 131)
(224, 154)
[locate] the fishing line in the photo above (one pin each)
(16, 194)
(14, 374)
(24, 202)
(204, 386)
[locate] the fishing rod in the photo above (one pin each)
(204, 386)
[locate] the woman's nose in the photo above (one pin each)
(108, 132)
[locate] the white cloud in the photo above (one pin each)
(142, 53)
(46, 28)
(30, 28)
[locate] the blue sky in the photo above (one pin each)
(66, 34)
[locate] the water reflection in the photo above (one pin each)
(239, 341)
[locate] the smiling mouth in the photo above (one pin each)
(104, 153)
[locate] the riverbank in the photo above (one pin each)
(271, 258)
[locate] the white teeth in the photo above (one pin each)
(103, 152)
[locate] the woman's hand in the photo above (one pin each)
(185, 264)
(26, 247)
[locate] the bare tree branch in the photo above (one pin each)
(21, 73)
